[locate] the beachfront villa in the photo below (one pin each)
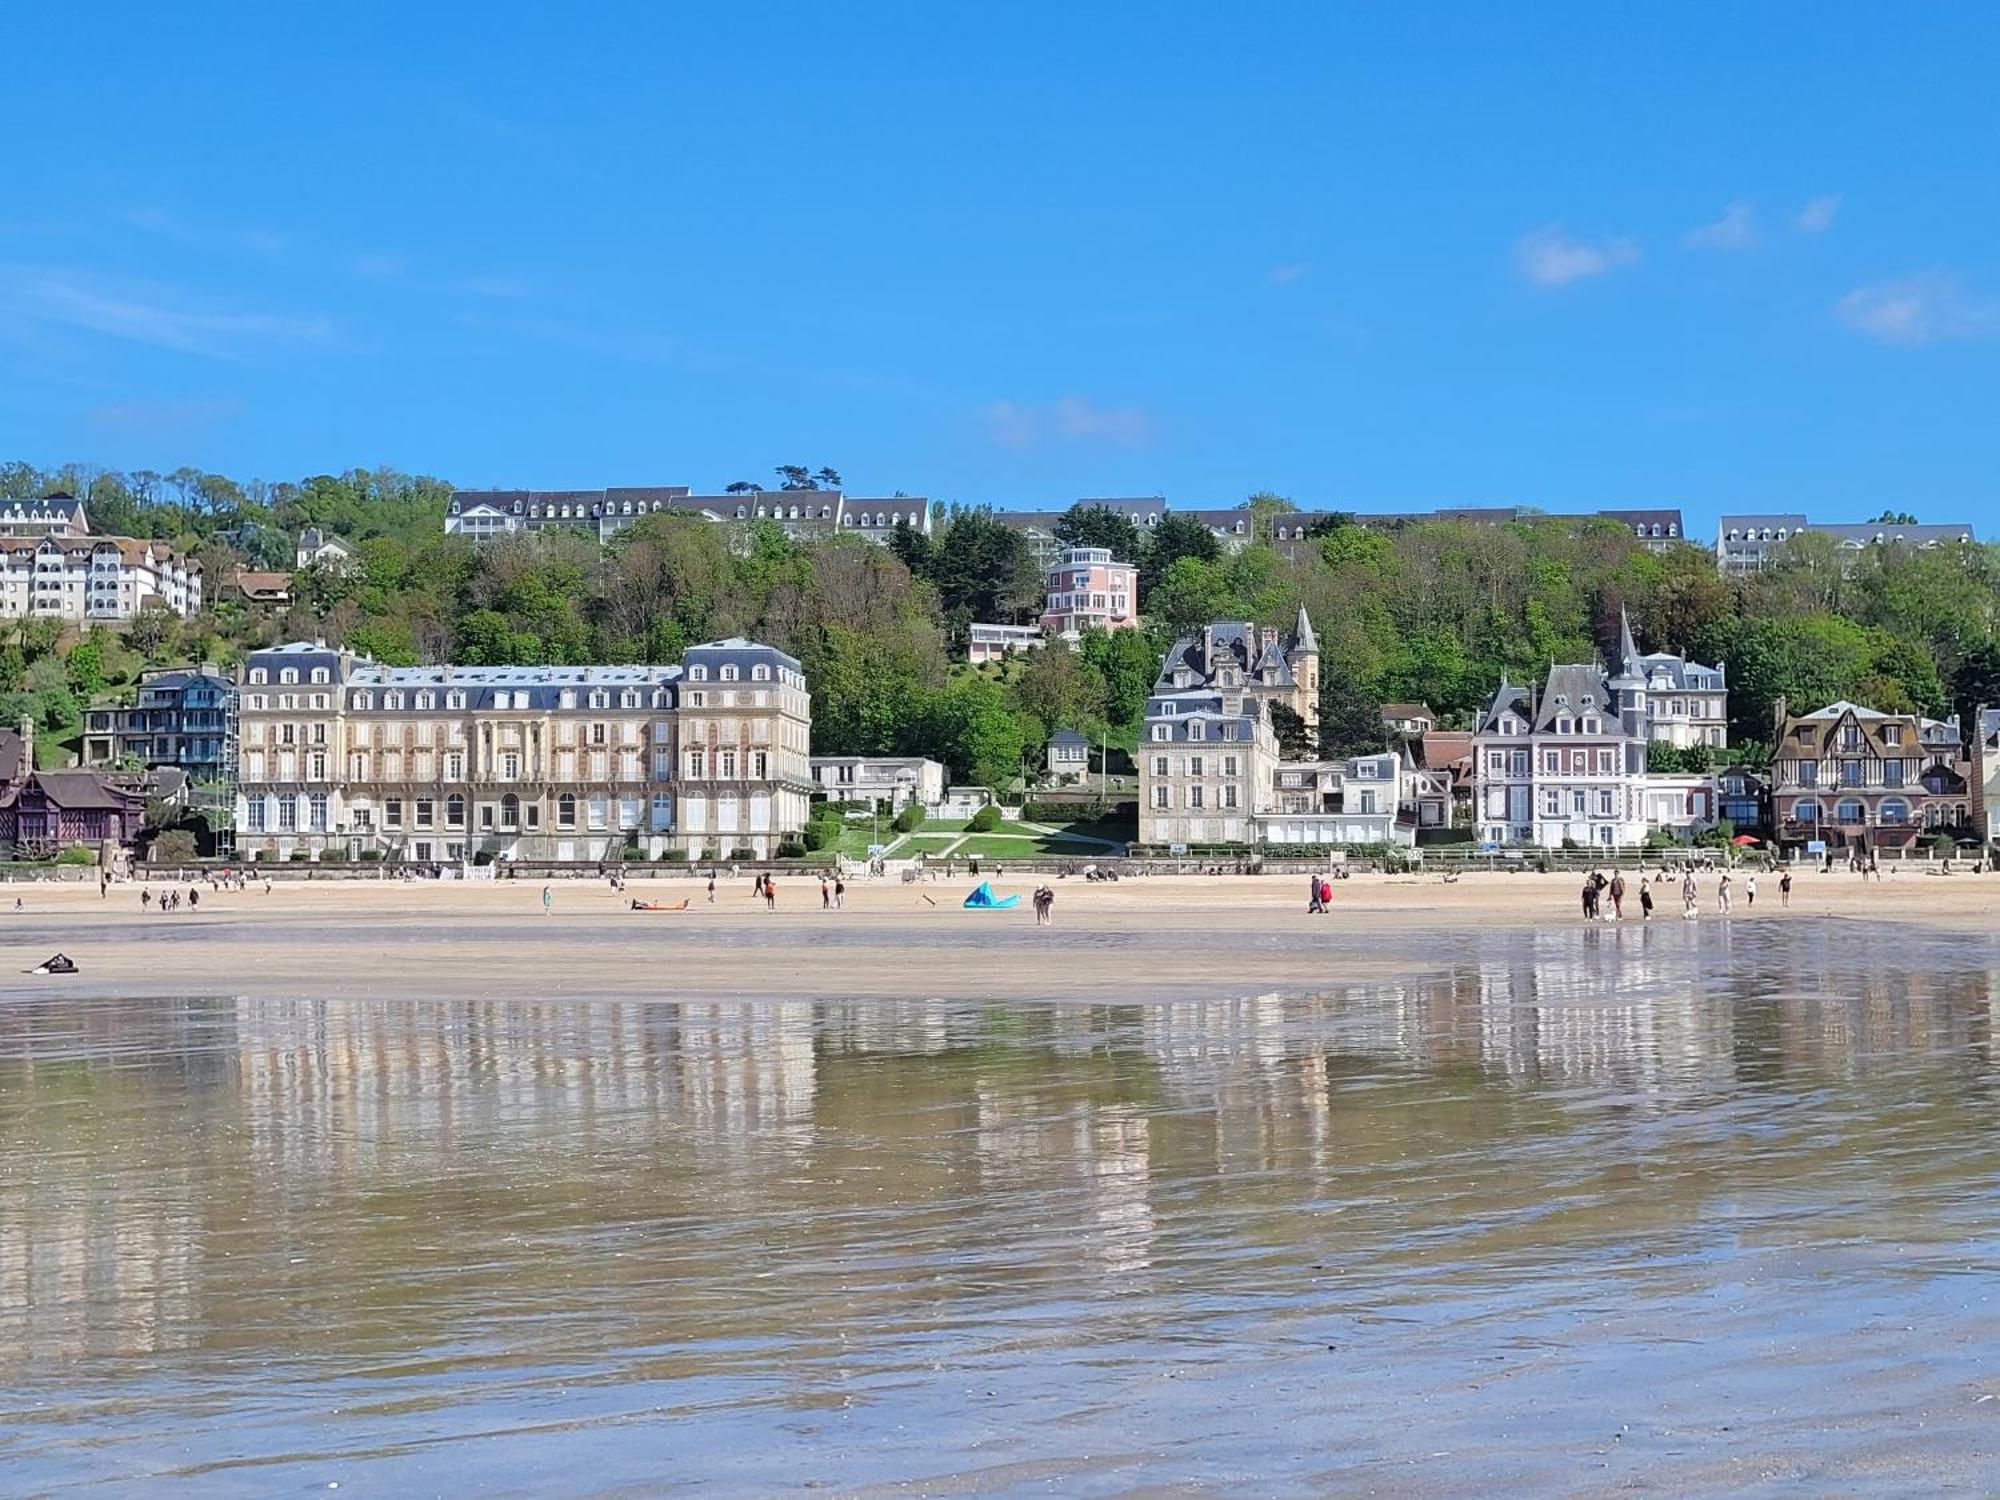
(1568, 765)
(893, 779)
(1208, 751)
(1563, 765)
(1363, 799)
(443, 764)
(1847, 776)
(178, 717)
(1685, 702)
(1986, 774)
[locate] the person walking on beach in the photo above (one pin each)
(770, 894)
(1785, 889)
(194, 898)
(825, 895)
(548, 900)
(1313, 902)
(1722, 896)
(711, 887)
(839, 892)
(1750, 890)
(1690, 897)
(146, 898)
(1645, 902)
(1617, 895)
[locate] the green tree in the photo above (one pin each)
(1350, 716)
(1178, 536)
(1127, 666)
(975, 731)
(1085, 525)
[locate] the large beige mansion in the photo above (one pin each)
(442, 764)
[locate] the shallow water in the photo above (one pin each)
(1675, 1211)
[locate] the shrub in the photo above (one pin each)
(300, 856)
(175, 846)
(77, 854)
(742, 855)
(910, 819)
(673, 856)
(374, 856)
(791, 849)
(1066, 812)
(985, 820)
(333, 854)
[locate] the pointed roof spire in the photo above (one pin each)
(1303, 638)
(1629, 671)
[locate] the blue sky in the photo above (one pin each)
(1725, 258)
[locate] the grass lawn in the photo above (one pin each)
(977, 846)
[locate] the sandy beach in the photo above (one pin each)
(1158, 937)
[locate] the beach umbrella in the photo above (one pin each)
(1744, 839)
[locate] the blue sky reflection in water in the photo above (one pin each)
(1691, 1210)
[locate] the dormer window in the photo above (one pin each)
(628, 699)
(364, 700)
(760, 673)
(599, 698)
(454, 699)
(426, 701)
(697, 674)
(729, 673)
(289, 674)
(567, 698)
(392, 701)
(320, 674)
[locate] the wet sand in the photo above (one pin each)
(1152, 938)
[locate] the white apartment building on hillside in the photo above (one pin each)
(94, 578)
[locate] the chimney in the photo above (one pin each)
(27, 743)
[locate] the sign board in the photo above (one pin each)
(1816, 846)
(876, 851)
(1177, 849)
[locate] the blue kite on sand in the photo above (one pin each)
(984, 899)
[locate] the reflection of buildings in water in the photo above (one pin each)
(332, 1085)
(1103, 1151)
(98, 1234)
(1849, 1025)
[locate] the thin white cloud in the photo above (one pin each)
(156, 418)
(1015, 424)
(1918, 310)
(378, 265)
(1550, 257)
(1284, 275)
(1819, 213)
(506, 287)
(1735, 230)
(145, 313)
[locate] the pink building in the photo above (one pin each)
(1090, 587)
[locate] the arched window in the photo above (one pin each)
(1805, 810)
(741, 512)
(729, 673)
(1895, 812)
(454, 811)
(1850, 810)
(510, 811)
(566, 810)
(760, 673)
